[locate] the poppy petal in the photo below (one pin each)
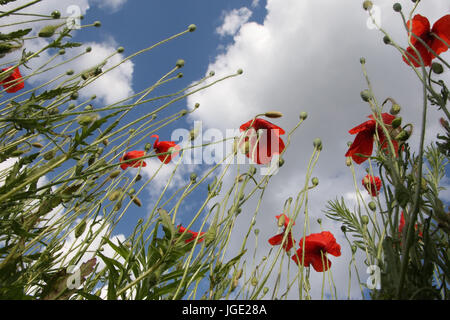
(442, 29)
(363, 144)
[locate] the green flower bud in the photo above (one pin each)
(395, 109)
(74, 96)
(115, 195)
(69, 72)
(114, 174)
(88, 49)
(282, 220)
(303, 115)
(280, 162)
(49, 155)
(366, 95)
(240, 71)
(71, 106)
(348, 161)
(367, 5)
(315, 181)
(319, 221)
(387, 40)
(193, 177)
(56, 14)
(343, 229)
(120, 49)
(402, 136)
(180, 75)
(254, 281)
(147, 147)
(437, 68)
(97, 24)
(212, 73)
(372, 206)
(180, 63)
(265, 290)
(365, 220)
(397, 122)
(80, 229)
(105, 142)
(137, 201)
(197, 105)
(37, 145)
(397, 7)
(192, 27)
(252, 171)
(62, 52)
(88, 107)
(48, 31)
(256, 231)
(273, 114)
(317, 143)
(354, 248)
(362, 60)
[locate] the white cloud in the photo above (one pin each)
(305, 57)
(113, 5)
(233, 20)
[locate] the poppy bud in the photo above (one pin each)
(396, 122)
(354, 248)
(105, 142)
(193, 177)
(197, 105)
(234, 284)
(120, 49)
(256, 231)
(88, 107)
(137, 201)
(437, 67)
(273, 114)
(239, 274)
(303, 115)
(402, 136)
(37, 145)
(56, 14)
(117, 206)
(367, 5)
(365, 219)
(362, 60)
(395, 109)
(317, 143)
(240, 71)
(387, 40)
(80, 229)
(372, 206)
(366, 95)
(264, 258)
(265, 290)
(114, 174)
(397, 7)
(245, 148)
(49, 155)
(348, 161)
(180, 63)
(254, 281)
(315, 181)
(85, 120)
(343, 229)
(240, 178)
(97, 24)
(192, 27)
(74, 96)
(17, 153)
(147, 147)
(319, 221)
(280, 162)
(115, 195)
(88, 49)
(48, 31)
(62, 52)
(252, 171)
(282, 220)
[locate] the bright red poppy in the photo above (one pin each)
(165, 146)
(365, 133)
(13, 82)
(194, 234)
(317, 245)
(276, 240)
(132, 155)
(269, 143)
(401, 225)
(372, 184)
(421, 28)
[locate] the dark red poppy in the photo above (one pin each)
(269, 143)
(317, 245)
(132, 155)
(276, 240)
(372, 184)
(194, 234)
(365, 133)
(14, 82)
(421, 28)
(165, 146)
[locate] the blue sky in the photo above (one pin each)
(296, 56)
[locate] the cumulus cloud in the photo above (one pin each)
(305, 57)
(233, 20)
(113, 5)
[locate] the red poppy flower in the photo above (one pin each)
(363, 143)
(317, 245)
(401, 225)
(194, 234)
(372, 184)
(268, 143)
(276, 240)
(163, 147)
(132, 155)
(13, 82)
(421, 28)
